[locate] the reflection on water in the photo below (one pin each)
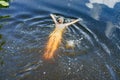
(96, 40)
(110, 3)
(2, 42)
(3, 4)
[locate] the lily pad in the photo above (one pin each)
(4, 3)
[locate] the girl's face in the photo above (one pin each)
(60, 20)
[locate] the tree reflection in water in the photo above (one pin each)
(3, 4)
(1, 44)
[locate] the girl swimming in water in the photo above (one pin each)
(55, 37)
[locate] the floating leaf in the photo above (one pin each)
(4, 3)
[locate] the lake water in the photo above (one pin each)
(26, 25)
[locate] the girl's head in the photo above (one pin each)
(60, 20)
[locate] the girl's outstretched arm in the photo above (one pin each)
(53, 17)
(67, 24)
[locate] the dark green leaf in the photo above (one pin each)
(0, 26)
(2, 43)
(0, 36)
(2, 17)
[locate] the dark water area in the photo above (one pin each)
(26, 25)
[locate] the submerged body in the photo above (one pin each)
(53, 43)
(55, 37)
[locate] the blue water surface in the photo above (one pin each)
(26, 29)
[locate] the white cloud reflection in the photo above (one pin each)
(95, 12)
(110, 29)
(109, 3)
(96, 9)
